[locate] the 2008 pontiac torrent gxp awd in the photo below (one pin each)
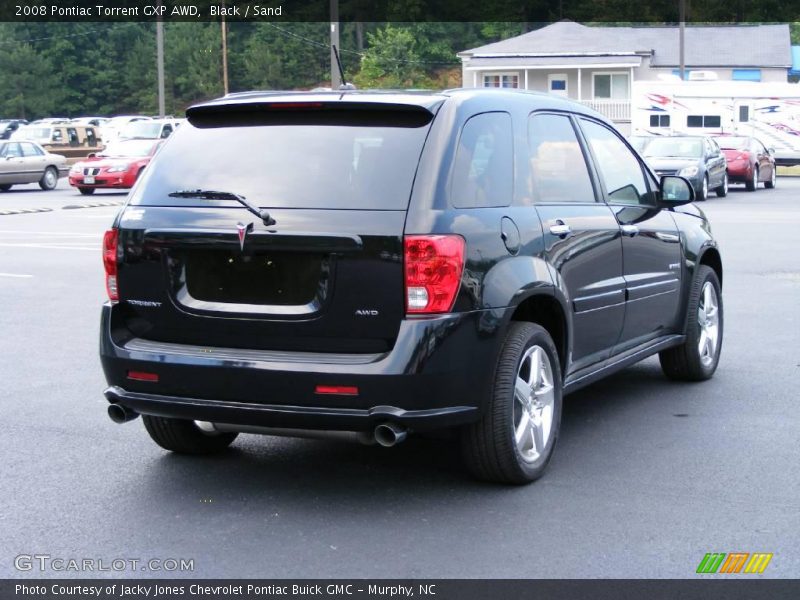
(377, 264)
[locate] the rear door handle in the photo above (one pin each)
(630, 230)
(560, 229)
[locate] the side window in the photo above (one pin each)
(72, 135)
(558, 171)
(621, 171)
(483, 174)
(57, 136)
(91, 138)
(29, 149)
(166, 131)
(13, 151)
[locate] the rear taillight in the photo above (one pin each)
(110, 263)
(433, 267)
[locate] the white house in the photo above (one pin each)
(597, 64)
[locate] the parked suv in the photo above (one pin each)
(387, 263)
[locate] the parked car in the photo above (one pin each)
(151, 130)
(697, 158)
(75, 142)
(403, 263)
(9, 126)
(28, 162)
(93, 121)
(118, 166)
(110, 131)
(749, 162)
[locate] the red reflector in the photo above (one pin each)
(142, 376)
(433, 267)
(342, 390)
(110, 240)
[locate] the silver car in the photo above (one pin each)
(28, 162)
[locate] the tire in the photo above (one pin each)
(752, 184)
(687, 362)
(722, 190)
(5, 187)
(703, 194)
(490, 447)
(86, 191)
(184, 437)
(770, 184)
(49, 180)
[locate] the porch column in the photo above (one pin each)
(526, 79)
(580, 95)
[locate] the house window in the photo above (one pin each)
(711, 121)
(686, 73)
(501, 80)
(659, 120)
(557, 84)
(611, 86)
(746, 75)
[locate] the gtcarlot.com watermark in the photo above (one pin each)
(44, 563)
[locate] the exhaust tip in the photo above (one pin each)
(389, 434)
(120, 414)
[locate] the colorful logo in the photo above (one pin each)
(734, 562)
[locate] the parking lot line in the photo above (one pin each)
(49, 247)
(19, 275)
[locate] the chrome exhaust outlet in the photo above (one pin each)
(389, 434)
(121, 414)
(361, 437)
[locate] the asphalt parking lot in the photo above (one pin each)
(649, 475)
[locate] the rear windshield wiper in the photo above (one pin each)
(215, 195)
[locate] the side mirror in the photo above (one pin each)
(674, 191)
(771, 150)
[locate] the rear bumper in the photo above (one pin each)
(740, 171)
(438, 374)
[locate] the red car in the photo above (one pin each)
(749, 162)
(117, 166)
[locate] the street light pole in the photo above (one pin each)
(336, 80)
(160, 65)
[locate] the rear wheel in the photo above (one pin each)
(185, 437)
(5, 187)
(49, 180)
(86, 191)
(698, 357)
(752, 184)
(770, 184)
(722, 190)
(514, 440)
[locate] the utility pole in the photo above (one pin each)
(335, 79)
(682, 19)
(160, 64)
(224, 52)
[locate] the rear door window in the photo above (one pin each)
(558, 171)
(484, 171)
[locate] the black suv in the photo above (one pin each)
(367, 265)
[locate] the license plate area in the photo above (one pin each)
(251, 282)
(89, 179)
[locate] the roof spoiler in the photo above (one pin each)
(308, 112)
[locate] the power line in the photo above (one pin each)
(68, 35)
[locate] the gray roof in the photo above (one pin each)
(706, 46)
(539, 61)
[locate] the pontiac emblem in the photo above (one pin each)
(243, 230)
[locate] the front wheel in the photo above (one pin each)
(722, 190)
(770, 184)
(5, 187)
(49, 180)
(704, 189)
(697, 358)
(184, 437)
(752, 184)
(514, 440)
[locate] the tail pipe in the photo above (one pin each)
(389, 434)
(121, 414)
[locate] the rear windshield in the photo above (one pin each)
(326, 166)
(675, 147)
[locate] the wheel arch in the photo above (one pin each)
(546, 310)
(711, 258)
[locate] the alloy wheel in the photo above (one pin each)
(708, 319)
(534, 397)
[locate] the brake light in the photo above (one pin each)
(143, 376)
(433, 267)
(110, 240)
(337, 390)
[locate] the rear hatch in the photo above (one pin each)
(319, 270)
